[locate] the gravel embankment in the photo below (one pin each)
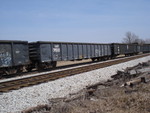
(24, 98)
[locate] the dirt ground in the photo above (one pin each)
(123, 94)
(63, 63)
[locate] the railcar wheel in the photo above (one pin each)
(93, 59)
(54, 63)
(19, 70)
(29, 69)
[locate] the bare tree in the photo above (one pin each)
(141, 41)
(132, 38)
(128, 38)
(147, 41)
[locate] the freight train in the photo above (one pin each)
(19, 56)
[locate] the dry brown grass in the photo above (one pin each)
(115, 100)
(38, 109)
(108, 98)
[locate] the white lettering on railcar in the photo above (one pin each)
(118, 49)
(127, 47)
(96, 51)
(56, 46)
(17, 52)
(57, 50)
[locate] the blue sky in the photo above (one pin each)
(101, 21)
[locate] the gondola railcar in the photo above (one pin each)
(124, 49)
(17, 56)
(145, 48)
(45, 54)
(14, 56)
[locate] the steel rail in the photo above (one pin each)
(30, 81)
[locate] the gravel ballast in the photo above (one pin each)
(24, 98)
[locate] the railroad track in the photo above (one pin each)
(30, 81)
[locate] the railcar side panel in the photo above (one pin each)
(45, 52)
(20, 54)
(105, 50)
(5, 55)
(70, 51)
(102, 49)
(80, 50)
(88, 51)
(64, 55)
(84, 51)
(75, 51)
(99, 50)
(92, 51)
(56, 51)
(109, 49)
(96, 51)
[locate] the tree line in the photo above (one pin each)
(133, 38)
